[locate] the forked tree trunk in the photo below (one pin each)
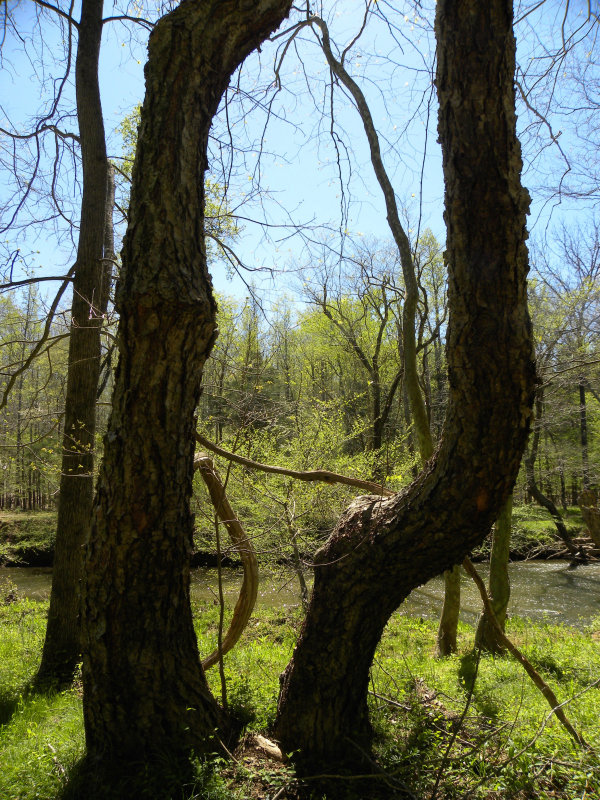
(145, 694)
(62, 649)
(382, 548)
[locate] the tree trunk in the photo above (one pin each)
(448, 627)
(585, 461)
(62, 643)
(382, 548)
(145, 694)
(486, 635)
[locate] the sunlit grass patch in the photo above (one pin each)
(486, 739)
(22, 628)
(41, 734)
(477, 722)
(39, 745)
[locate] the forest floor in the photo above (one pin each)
(27, 538)
(468, 726)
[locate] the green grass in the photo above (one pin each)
(534, 533)
(507, 745)
(27, 537)
(41, 734)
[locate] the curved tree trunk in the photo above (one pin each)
(62, 648)
(382, 548)
(446, 639)
(145, 694)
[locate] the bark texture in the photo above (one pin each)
(62, 649)
(144, 690)
(382, 548)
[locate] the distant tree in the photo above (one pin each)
(31, 418)
(91, 281)
(486, 634)
(364, 307)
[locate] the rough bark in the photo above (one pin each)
(61, 651)
(145, 693)
(382, 548)
(486, 635)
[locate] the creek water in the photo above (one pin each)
(540, 590)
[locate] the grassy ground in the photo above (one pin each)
(27, 538)
(533, 522)
(491, 737)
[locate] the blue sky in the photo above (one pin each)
(302, 176)
(299, 173)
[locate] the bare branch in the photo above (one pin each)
(311, 475)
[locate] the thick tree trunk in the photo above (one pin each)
(486, 635)
(382, 548)
(145, 694)
(62, 644)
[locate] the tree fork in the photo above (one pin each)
(382, 548)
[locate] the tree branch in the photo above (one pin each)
(312, 475)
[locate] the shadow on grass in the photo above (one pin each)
(467, 671)
(11, 700)
(163, 777)
(486, 703)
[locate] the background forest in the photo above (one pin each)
(317, 382)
